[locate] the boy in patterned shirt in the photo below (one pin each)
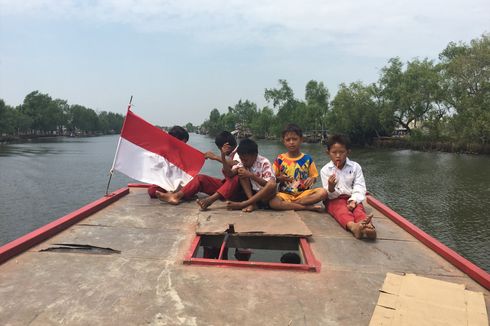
(296, 173)
(256, 177)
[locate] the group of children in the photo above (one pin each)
(251, 181)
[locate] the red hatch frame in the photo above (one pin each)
(311, 264)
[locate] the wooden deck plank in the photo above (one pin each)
(261, 222)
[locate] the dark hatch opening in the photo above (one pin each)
(231, 249)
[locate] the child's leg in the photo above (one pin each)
(367, 229)
(312, 196)
(200, 183)
(265, 194)
(228, 190)
(359, 213)
(338, 209)
(153, 189)
(204, 203)
(247, 187)
(281, 203)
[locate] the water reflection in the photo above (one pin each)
(9, 150)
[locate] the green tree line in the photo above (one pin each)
(39, 114)
(446, 100)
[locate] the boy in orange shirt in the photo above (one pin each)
(296, 173)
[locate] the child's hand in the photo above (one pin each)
(244, 173)
(209, 155)
(284, 178)
(351, 205)
(332, 182)
(225, 149)
(309, 182)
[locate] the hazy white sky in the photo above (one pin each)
(180, 59)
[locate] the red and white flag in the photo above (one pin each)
(149, 154)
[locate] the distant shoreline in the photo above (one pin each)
(385, 142)
(432, 146)
(5, 140)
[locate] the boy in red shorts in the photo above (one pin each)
(227, 188)
(344, 181)
(181, 134)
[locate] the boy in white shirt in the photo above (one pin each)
(256, 177)
(344, 181)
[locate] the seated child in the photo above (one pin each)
(181, 134)
(344, 181)
(256, 177)
(227, 188)
(296, 173)
(225, 138)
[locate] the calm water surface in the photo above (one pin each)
(444, 194)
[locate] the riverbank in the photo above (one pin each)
(405, 143)
(430, 146)
(9, 139)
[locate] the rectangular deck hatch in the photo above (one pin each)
(273, 252)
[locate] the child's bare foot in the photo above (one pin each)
(204, 203)
(356, 229)
(234, 205)
(363, 229)
(249, 208)
(168, 197)
(314, 208)
(368, 231)
(368, 219)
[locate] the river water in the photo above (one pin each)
(444, 194)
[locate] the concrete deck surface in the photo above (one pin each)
(147, 284)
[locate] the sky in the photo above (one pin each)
(181, 59)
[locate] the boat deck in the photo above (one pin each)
(147, 282)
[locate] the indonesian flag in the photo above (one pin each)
(149, 154)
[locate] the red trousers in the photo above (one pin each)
(338, 209)
(227, 188)
(153, 189)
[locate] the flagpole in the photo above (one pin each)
(111, 172)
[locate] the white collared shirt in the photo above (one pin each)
(350, 180)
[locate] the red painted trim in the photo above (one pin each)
(254, 264)
(473, 271)
(222, 249)
(31, 239)
(311, 264)
(308, 254)
(193, 249)
(139, 185)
